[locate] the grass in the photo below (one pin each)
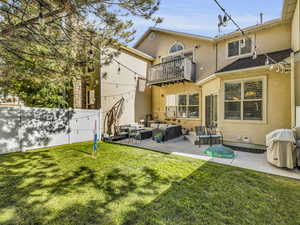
(123, 185)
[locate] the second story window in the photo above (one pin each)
(239, 47)
(176, 48)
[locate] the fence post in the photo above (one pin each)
(20, 130)
(69, 127)
(100, 124)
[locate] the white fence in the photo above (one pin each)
(23, 128)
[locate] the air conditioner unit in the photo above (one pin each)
(243, 43)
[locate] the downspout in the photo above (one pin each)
(216, 57)
(293, 98)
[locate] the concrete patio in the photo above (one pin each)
(183, 147)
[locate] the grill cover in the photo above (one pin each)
(281, 150)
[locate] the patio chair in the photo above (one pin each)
(216, 136)
(202, 134)
(133, 136)
(121, 131)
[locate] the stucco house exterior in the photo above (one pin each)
(124, 77)
(198, 80)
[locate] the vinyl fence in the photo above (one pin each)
(24, 128)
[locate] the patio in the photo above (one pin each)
(181, 146)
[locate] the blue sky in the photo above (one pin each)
(200, 16)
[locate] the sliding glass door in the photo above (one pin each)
(211, 110)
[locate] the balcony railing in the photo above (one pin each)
(182, 69)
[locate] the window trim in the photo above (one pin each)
(264, 99)
(188, 105)
(176, 43)
(239, 55)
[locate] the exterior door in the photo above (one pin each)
(211, 110)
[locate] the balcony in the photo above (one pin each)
(177, 70)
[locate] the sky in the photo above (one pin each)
(201, 16)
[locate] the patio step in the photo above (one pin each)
(191, 138)
(235, 145)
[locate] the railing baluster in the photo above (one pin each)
(167, 71)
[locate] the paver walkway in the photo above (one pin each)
(246, 160)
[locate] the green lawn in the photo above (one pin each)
(66, 186)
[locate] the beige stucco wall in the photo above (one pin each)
(270, 40)
(204, 54)
(159, 103)
(296, 28)
(297, 83)
(124, 84)
(278, 109)
(210, 88)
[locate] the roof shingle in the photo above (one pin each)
(249, 62)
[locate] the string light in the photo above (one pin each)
(268, 58)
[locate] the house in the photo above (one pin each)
(247, 92)
(124, 79)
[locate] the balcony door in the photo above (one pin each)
(211, 110)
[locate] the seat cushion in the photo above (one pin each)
(154, 125)
(163, 126)
(203, 136)
(216, 136)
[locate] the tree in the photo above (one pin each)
(45, 44)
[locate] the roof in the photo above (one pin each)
(249, 62)
(254, 28)
(200, 37)
(137, 53)
(288, 9)
(267, 24)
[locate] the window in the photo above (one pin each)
(240, 47)
(176, 47)
(244, 100)
(182, 106)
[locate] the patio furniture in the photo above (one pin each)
(297, 135)
(121, 132)
(133, 135)
(168, 132)
(281, 150)
(216, 136)
(145, 134)
(202, 135)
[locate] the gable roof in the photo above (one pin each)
(288, 10)
(249, 62)
(254, 28)
(137, 53)
(166, 31)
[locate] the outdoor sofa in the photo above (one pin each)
(168, 132)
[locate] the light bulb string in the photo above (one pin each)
(244, 34)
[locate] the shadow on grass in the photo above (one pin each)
(31, 182)
(219, 194)
(35, 189)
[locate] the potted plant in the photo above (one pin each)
(158, 137)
